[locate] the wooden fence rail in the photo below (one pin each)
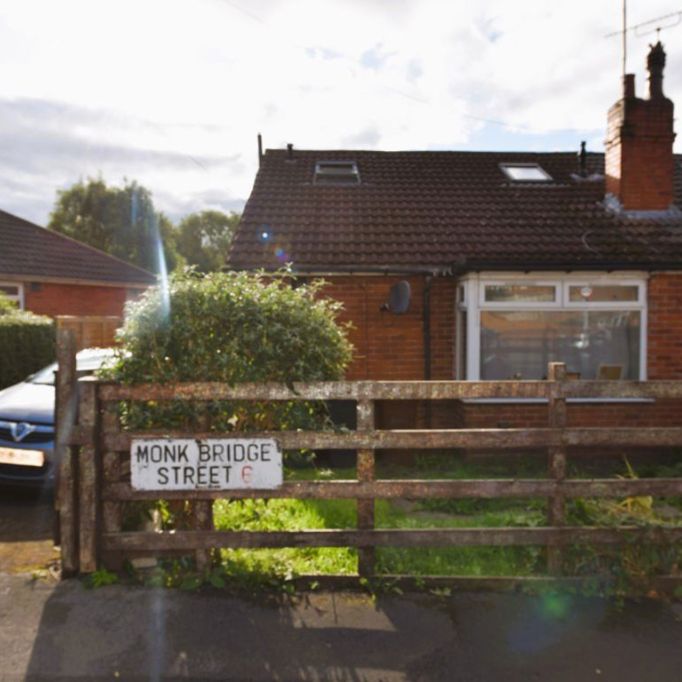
(98, 467)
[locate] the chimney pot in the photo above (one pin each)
(655, 63)
(628, 85)
(290, 151)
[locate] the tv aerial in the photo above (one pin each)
(644, 28)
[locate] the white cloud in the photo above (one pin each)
(154, 81)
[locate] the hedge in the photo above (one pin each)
(231, 327)
(27, 343)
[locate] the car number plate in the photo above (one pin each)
(24, 458)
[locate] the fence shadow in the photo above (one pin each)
(154, 633)
(151, 634)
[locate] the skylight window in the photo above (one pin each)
(336, 173)
(525, 172)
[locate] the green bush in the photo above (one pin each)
(230, 327)
(27, 343)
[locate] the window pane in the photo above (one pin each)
(9, 289)
(501, 293)
(525, 172)
(593, 343)
(600, 293)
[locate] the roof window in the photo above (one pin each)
(525, 172)
(336, 173)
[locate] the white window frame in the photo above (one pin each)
(474, 303)
(508, 167)
(525, 305)
(325, 173)
(616, 305)
(19, 298)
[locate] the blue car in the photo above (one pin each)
(27, 428)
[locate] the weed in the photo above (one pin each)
(101, 578)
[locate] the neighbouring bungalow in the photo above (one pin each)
(488, 265)
(51, 274)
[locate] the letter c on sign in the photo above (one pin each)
(247, 474)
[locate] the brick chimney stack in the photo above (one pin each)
(639, 143)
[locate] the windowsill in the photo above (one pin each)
(543, 401)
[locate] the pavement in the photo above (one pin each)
(53, 630)
(63, 631)
(26, 530)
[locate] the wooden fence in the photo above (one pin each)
(95, 481)
(91, 331)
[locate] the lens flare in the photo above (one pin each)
(161, 269)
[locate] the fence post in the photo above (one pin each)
(111, 473)
(556, 510)
(89, 478)
(365, 472)
(66, 484)
(202, 512)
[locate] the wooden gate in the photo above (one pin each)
(95, 481)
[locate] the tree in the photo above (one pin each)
(121, 221)
(204, 238)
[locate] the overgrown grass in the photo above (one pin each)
(292, 515)
(634, 561)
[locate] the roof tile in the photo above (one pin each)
(29, 250)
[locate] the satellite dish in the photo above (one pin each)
(399, 298)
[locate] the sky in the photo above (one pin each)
(172, 93)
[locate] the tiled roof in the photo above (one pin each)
(446, 209)
(32, 251)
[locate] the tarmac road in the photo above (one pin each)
(66, 632)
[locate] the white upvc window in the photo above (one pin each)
(13, 291)
(513, 325)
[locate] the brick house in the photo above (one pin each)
(51, 274)
(512, 259)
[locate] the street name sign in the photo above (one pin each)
(205, 464)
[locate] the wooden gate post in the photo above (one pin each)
(111, 475)
(66, 483)
(556, 511)
(365, 472)
(89, 476)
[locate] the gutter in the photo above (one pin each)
(464, 266)
(573, 266)
(433, 270)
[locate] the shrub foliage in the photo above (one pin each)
(230, 327)
(27, 343)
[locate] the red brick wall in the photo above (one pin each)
(391, 346)
(502, 415)
(664, 348)
(73, 299)
(639, 153)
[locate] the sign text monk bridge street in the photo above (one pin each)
(206, 464)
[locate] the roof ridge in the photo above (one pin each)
(468, 152)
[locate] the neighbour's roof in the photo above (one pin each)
(447, 209)
(29, 250)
